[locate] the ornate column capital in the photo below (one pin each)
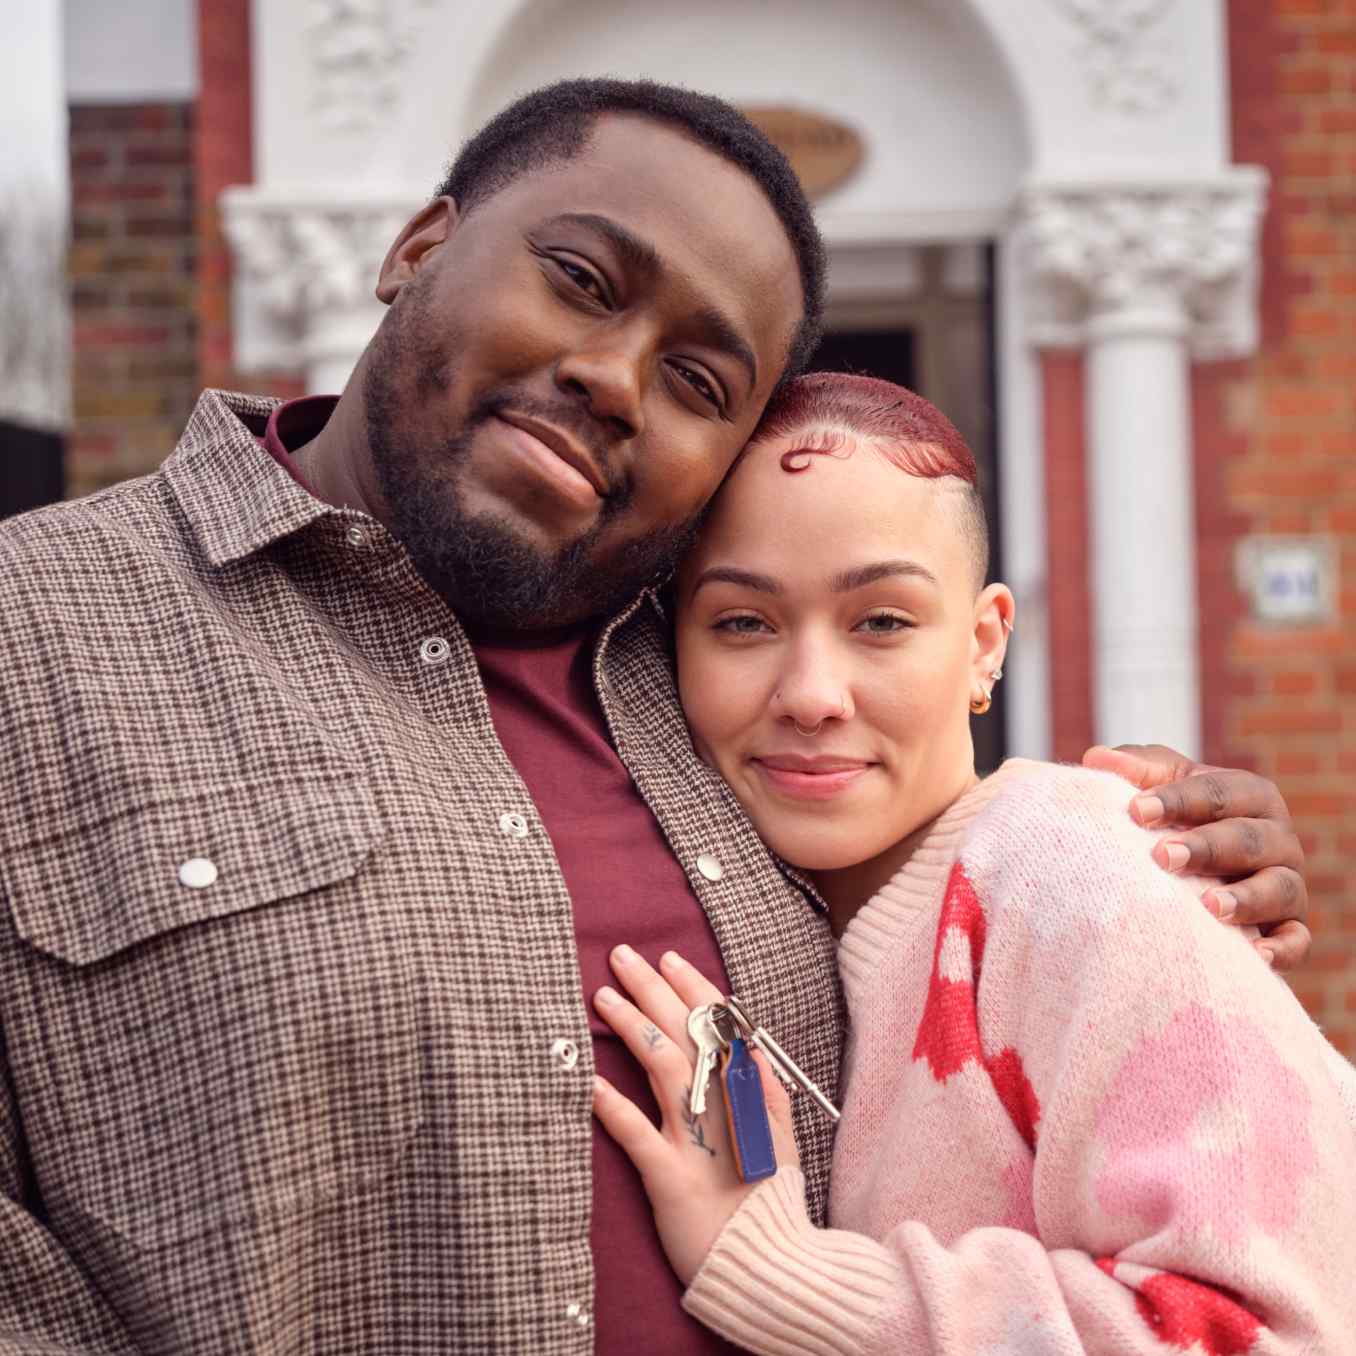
(306, 272)
(1170, 257)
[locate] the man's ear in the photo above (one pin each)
(430, 226)
(993, 619)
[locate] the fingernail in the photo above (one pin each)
(1268, 955)
(606, 997)
(671, 960)
(1228, 904)
(1149, 809)
(600, 1084)
(623, 955)
(1177, 855)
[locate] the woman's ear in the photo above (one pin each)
(430, 226)
(993, 622)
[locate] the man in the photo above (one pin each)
(337, 754)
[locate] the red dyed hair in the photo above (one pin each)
(907, 430)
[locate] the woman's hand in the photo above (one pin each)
(687, 1164)
(1240, 829)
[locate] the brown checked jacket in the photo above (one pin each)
(289, 1000)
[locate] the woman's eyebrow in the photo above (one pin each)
(863, 575)
(727, 574)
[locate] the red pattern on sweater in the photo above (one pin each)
(948, 1035)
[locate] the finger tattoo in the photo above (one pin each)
(652, 1036)
(696, 1131)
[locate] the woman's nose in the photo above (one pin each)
(807, 701)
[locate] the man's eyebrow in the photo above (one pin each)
(725, 336)
(727, 574)
(640, 256)
(636, 252)
(863, 575)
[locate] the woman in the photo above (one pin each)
(1060, 1133)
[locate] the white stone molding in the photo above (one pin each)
(1145, 275)
(35, 336)
(359, 50)
(306, 273)
(1178, 255)
(1124, 54)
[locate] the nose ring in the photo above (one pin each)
(841, 714)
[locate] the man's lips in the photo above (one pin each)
(818, 778)
(576, 463)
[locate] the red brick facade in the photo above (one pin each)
(132, 266)
(1276, 451)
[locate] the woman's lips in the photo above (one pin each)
(810, 778)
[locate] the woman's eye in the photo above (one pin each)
(884, 624)
(699, 383)
(743, 625)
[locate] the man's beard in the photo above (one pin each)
(486, 572)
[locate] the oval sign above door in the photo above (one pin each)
(823, 151)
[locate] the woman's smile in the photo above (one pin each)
(802, 778)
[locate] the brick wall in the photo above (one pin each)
(1276, 453)
(132, 266)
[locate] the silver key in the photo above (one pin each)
(783, 1065)
(709, 1044)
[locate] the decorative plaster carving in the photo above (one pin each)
(35, 336)
(1124, 58)
(305, 270)
(1146, 256)
(358, 52)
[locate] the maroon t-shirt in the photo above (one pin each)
(626, 886)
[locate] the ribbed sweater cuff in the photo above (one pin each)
(775, 1284)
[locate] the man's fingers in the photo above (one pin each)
(1146, 765)
(1271, 897)
(1237, 847)
(1209, 795)
(1287, 947)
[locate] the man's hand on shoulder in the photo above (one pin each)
(1238, 828)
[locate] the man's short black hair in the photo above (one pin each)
(553, 123)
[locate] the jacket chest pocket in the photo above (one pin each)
(211, 1020)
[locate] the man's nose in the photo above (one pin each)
(608, 379)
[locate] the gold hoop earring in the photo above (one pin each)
(979, 705)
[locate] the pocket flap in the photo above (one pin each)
(92, 892)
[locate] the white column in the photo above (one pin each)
(1147, 276)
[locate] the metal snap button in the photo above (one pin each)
(513, 824)
(434, 650)
(198, 873)
(565, 1053)
(356, 536)
(710, 867)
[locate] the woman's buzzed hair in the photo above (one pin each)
(835, 408)
(553, 124)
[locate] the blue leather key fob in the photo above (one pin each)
(746, 1112)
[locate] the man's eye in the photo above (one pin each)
(583, 278)
(699, 383)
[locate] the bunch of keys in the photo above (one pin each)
(723, 1033)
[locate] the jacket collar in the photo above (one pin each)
(236, 497)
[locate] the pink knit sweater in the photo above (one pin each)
(1081, 1116)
